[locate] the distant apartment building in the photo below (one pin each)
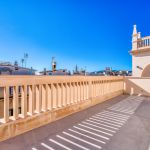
(6, 68)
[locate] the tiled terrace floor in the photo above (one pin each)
(122, 123)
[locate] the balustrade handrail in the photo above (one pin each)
(145, 38)
(29, 80)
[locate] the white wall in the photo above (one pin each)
(141, 60)
(137, 86)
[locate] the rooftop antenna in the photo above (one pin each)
(25, 58)
(22, 61)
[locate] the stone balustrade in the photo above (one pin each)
(31, 97)
(143, 42)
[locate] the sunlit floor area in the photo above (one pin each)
(122, 123)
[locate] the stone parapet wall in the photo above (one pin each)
(38, 100)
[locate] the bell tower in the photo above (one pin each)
(140, 54)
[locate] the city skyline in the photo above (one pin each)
(87, 33)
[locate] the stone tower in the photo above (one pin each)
(140, 54)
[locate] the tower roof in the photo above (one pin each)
(134, 30)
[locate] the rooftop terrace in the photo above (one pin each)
(121, 123)
(74, 112)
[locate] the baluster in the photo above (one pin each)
(81, 86)
(24, 101)
(59, 95)
(72, 92)
(95, 86)
(15, 102)
(75, 93)
(106, 81)
(99, 88)
(79, 91)
(64, 94)
(38, 98)
(113, 87)
(31, 99)
(6, 104)
(90, 88)
(85, 90)
(103, 87)
(54, 95)
(68, 93)
(49, 96)
(61, 84)
(144, 43)
(44, 98)
(93, 89)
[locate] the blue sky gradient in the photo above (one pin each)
(91, 33)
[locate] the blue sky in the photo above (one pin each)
(91, 33)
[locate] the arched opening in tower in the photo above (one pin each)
(146, 71)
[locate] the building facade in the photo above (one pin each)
(140, 54)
